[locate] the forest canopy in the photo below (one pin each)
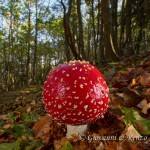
(36, 35)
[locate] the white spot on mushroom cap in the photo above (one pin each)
(64, 117)
(63, 71)
(59, 106)
(101, 102)
(85, 107)
(75, 81)
(79, 113)
(67, 75)
(92, 101)
(76, 97)
(83, 78)
(75, 106)
(81, 102)
(87, 96)
(81, 86)
(67, 88)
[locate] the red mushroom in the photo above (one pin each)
(75, 93)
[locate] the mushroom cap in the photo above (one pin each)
(75, 93)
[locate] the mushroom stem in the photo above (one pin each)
(76, 130)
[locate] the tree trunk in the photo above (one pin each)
(94, 31)
(110, 53)
(29, 46)
(81, 41)
(114, 23)
(122, 29)
(68, 36)
(35, 46)
(128, 28)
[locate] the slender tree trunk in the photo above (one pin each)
(110, 52)
(68, 35)
(100, 33)
(94, 31)
(81, 38)
(29, 46)
(35, 46)
(129, 28)
(122, 29)
(114, 23)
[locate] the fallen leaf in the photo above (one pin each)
(145, 79)
(67, 146)
(144, 105)
(28, 109)
(59, 143)
(141, 124)
(33, 103)
(131, 97)
(42, 129)
(130, 131)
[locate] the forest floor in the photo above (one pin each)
(24, 124)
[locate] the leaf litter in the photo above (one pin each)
(24, 124)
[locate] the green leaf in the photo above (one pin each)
(141, 124)
(67, 146)
(11, 146)
(34, 145)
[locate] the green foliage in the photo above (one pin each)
(11, 146)
(67, 146)
(20, 144)
(141, 124)
(18, 130)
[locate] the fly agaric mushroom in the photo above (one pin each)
(75, 94)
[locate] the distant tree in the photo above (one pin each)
(111, 54)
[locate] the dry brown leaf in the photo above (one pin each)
(137, 71)
(111, 146)
(42, 129)
(147, 94)
(122, 145)
(59, 143)
(28, 109)
(100, 146)
(145, 79)
(33, 103)
(144, 105)
(5, 118)
(130, 131)
(131, 97)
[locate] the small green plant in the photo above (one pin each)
(18, 130)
